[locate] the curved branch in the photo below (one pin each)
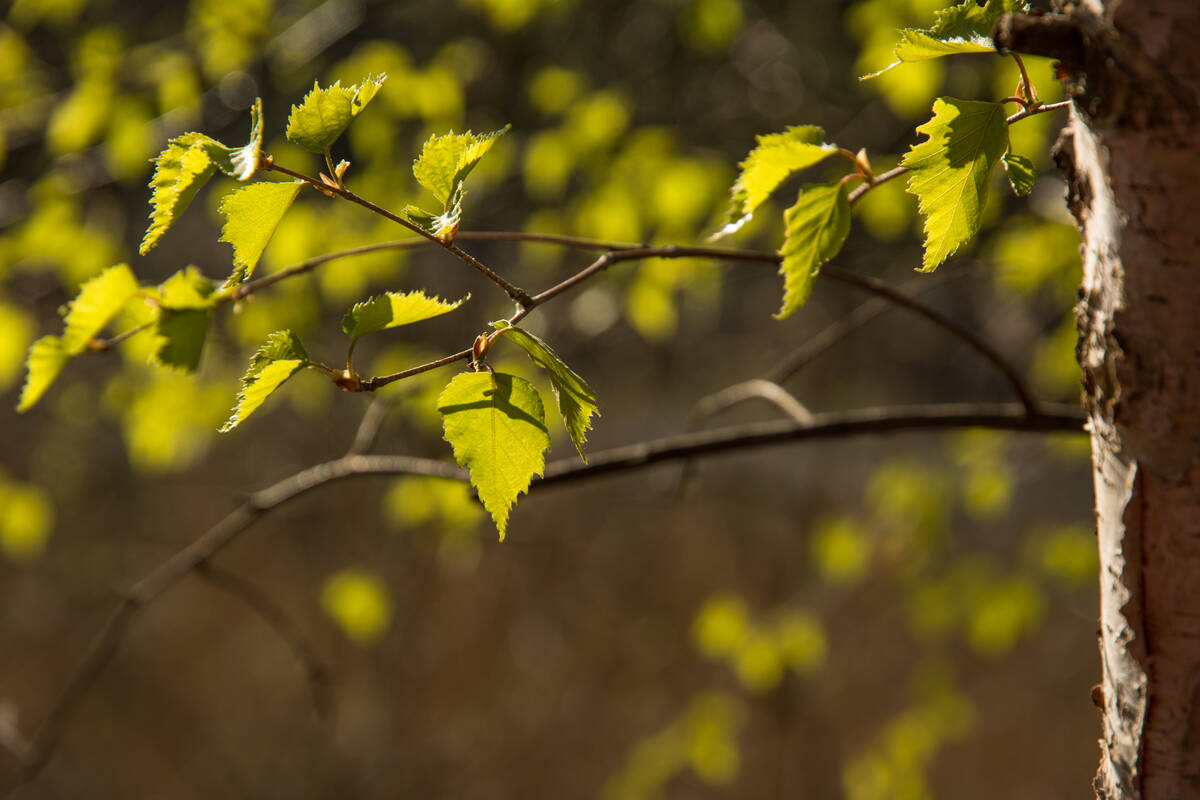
(557, 473)
(314, 669)
(755, 388)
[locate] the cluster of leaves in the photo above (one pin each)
(950, 172)
(495, 422)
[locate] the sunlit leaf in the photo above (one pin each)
(576, 400)
(774, 160)
(98, 301)
(950, 172)
(252, 213)
(392, 309)
(46, 359)
(277, 360)
(445, 161)
(497, 427)
(326, 112)
(816, 228)
(1021, 173)
(186, 304)
(179, 172)
(962, 28)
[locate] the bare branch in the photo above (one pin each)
(314, 669)
(755, 388)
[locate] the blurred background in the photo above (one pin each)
(888, 617)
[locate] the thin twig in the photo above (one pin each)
(753, 389)
(314, 669)
(372, 423)
(515, 292)
(100, 345)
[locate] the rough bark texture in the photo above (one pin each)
(1131, 154)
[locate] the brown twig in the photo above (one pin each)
(516, 293)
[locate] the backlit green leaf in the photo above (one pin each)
(817, 226)
(497, 427)
(98, 301)
(46, 359)
(277, 360)
(576, 400)
(1021, 172)
(326, 112)
(393, 309)
(179, 172)
(777, 157)
(445, 161)
(252, 213)
(962, 28)
(950, 172)
(186, 302)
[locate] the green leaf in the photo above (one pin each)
(962, 28)
(497, 427)
(1021, 173)
(325, 113)
(252, 213)
(179, 172)
(186, 303)
(98, 301)
(776, 158)
(46, 359)
(446, 161)
(816, 228)
(392, 309)
(950, 172)
(576, 400)
(277, 360)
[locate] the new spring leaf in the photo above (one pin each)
(280, 357)
(497, 427)
(445, 161)
(951, 169)
(326, 112)
(392, 309)
(186, 303)
(185, 166)
(962, 28)
(817, 226)
(252, 213)
(576, 400)
(776, 158)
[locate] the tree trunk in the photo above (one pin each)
(1131, 154)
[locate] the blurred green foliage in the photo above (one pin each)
(590, 155)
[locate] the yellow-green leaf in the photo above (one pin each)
(392, 309)
(1021, 172)
(98, 301)
(186, 302)
(46, 359)
(817, 226)
(359, 603)
(252, 213)
(326, 112)
(576, 400)
(277, 360)
(777, 157)
(445, 161)
(962, 28)
(497, 427)
(950, 172)
(179, 172)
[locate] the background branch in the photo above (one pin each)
(557, 473)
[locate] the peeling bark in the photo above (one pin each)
(1131, 155)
